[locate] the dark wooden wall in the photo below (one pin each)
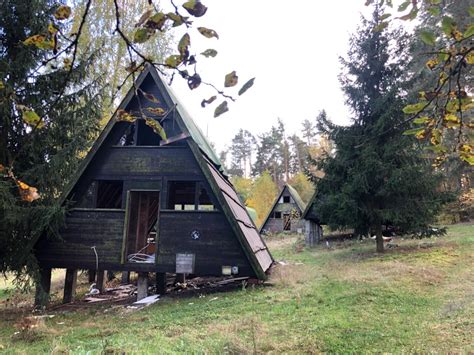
(216, 246)
(85, 229)
(142, 168)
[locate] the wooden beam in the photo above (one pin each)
(161, 283)
(70, 283)
(91, 274)
(125, 277)
(43, 287)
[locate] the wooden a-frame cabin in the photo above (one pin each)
(146, 204)
(286, 213)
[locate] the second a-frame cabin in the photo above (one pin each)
(143, 203)
(286, 212)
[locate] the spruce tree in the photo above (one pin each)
(377, 175)
(44, 156)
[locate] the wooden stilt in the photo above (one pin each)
(142, 285)
(101, 280)
(181, 278)
(161, 282)
(70, 283)
(43, 287)
(91, 274)
(125, 277)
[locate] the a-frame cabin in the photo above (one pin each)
(144, 204)
(285, 215)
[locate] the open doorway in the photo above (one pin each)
(142, 217)
(286, 222)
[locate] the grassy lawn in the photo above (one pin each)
(418, 297)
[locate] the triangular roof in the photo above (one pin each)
(294, 194)
(307, 213)
(242, 225)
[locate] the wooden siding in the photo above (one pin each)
(216, 246)
(146, 161)
(86, 228)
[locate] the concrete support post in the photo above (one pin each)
(142, 285)
(101, 280)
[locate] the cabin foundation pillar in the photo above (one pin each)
(142, 285)
(43, 287)
(161, 283)
(70, 283)
(313, 234)
(101, 280)
(91, 275)
(181, 278)
(125, 278)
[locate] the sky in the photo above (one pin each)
(292, 48)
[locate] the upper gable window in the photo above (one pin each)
(109, 194)
(286, 199)
(188, 195)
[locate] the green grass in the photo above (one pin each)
(347, 299)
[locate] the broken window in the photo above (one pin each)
(204, 200)
(128, 137)
(277, 215)
(188, 195)
(181, 195)
(286, 199)
(109, 194)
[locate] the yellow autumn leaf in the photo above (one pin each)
(33, 40)
(52, 28)
(63, 12)
(2, 85)
(124, 116)
(470, 58)
(451, 118)
(157, 128)
(31, 118)
(156, 111)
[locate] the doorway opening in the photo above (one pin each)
(286, 222)
(142, 218)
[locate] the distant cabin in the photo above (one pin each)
(146, 204)
(313, 230)
(286, 213)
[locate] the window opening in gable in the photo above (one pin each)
(128, 138)
(286, 199)
(204, 200)
(277, 215)
(109, 194)
(188, 195)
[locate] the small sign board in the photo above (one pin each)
(185, 263)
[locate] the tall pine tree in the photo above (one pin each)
(376, 176)
(46, 155)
